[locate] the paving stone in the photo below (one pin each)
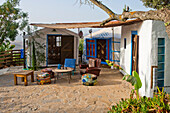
(62, 97)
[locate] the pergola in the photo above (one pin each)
(82, 25)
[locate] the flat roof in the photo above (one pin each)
(86, 24)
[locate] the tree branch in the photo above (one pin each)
(162, 15)
(104, 8)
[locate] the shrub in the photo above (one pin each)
(157, 104)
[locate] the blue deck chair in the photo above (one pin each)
(70, 63)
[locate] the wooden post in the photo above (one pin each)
(12, 62)
(32, 76)
(113, 43)
(25, 81)
(24, 48)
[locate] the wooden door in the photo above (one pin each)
(135, 53)
(67, 48)
(101, 49)
(54, 49)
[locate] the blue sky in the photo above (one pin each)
(54, 11)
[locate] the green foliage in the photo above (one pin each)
(12, 19)
(156, 4)
(127, 9)
(33, 56)
(38, 49)
(5, 46)
(159, 103)
(134, 79)
(81, 45)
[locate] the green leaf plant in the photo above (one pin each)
(6, 46)
(157, 104)
(134, 79)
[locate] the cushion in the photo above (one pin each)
(91, 63)
(89, 79)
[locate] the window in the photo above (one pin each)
(58, 41)
(124, 43)
(90, 48)
(161, 63)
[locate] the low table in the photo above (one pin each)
(63, 71)
(24, 75)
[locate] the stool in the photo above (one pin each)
(89, 79)
(49, 71)
(43, 78)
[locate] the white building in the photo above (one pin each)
(59, 44)
(100, 45)
(143, 45)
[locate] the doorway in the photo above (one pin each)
(135, 53)
(54, 49)
(101, 49)
(59, 48)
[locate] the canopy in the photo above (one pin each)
(86, 24)
(106, 33)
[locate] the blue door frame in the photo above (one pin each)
(47, 46)
(132, 33)
(110, 48)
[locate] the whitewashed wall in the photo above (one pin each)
(106, 33)
(149, 31)
(159, 31)
(43, 39)
(144, 31)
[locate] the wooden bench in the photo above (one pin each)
(24, 75)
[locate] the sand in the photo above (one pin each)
(62, 97)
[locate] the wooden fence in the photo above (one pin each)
(11, 58)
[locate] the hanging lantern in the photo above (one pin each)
(81, 34)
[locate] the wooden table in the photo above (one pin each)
(24, 75)
(63, 71)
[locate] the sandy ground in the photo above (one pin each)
(62, 97)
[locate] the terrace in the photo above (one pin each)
(62, 96)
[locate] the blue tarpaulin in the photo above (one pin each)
(22, 53)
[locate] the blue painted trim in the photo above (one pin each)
(116, 51)
(95, 48)
(110, 41)
(107, 49)
(54, 34)
(86, 48)
(115, 42)
(95, 39)
(115, 60)
(132, 33)
(89, 47)
(103, 63)
(101, 37)
(47, 46)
